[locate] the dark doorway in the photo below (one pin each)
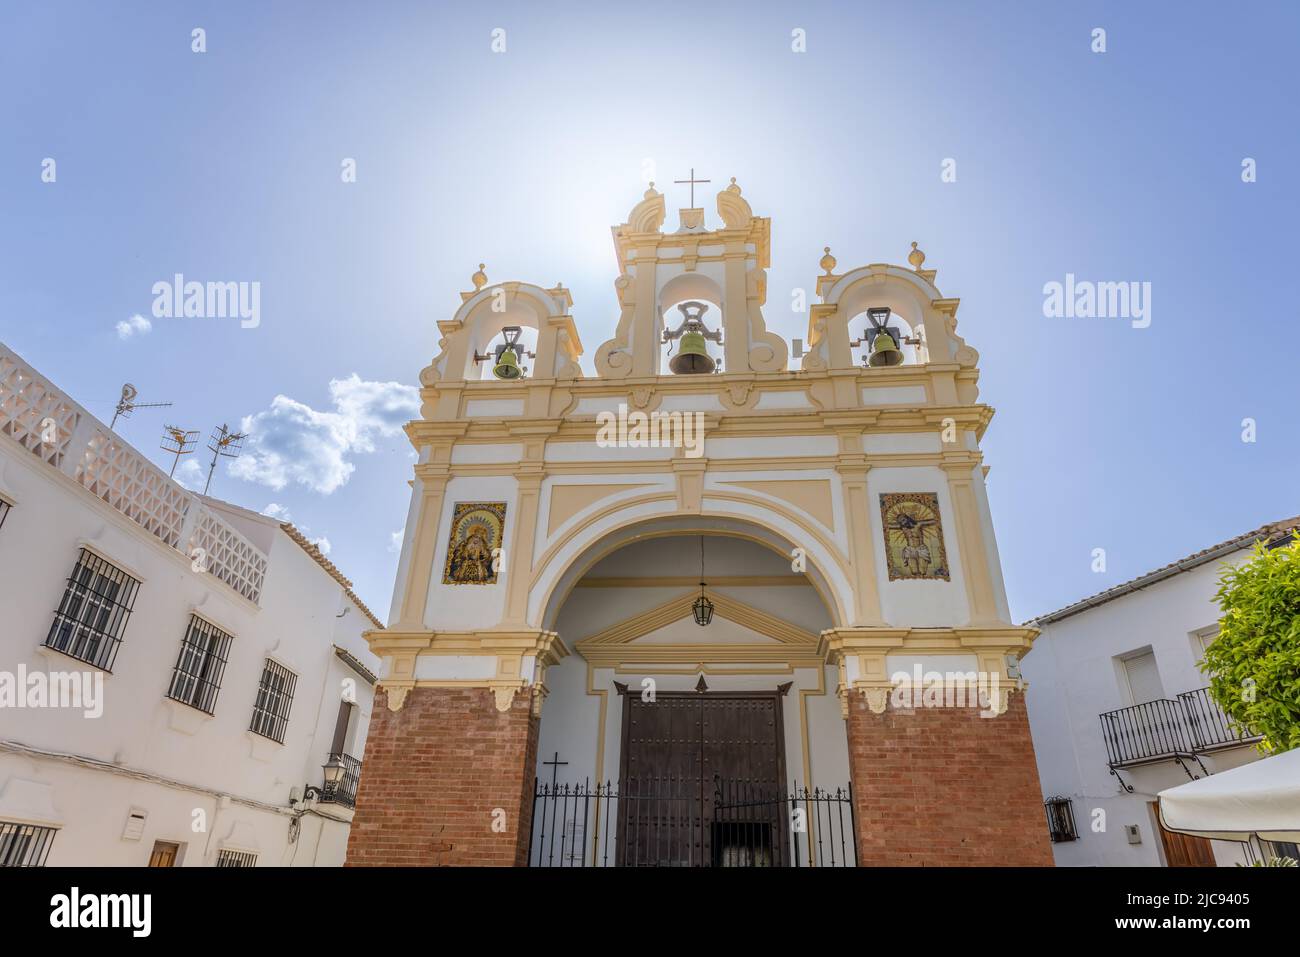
(684, 755)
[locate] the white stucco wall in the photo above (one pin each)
(1074, 676)
(146, 750)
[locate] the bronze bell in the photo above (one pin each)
(693, 356)
(507, 365)
(884, 351)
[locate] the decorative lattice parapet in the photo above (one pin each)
(54, 428)
(33, 412)
(227, 554)
(115, 472)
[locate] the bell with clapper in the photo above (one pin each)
(692, 356)
(506, 357)
(882, 340)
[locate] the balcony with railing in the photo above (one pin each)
(1209, 728)
(1166, 729)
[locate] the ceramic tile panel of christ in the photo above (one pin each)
(913, 536)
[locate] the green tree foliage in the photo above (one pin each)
(1254, 663)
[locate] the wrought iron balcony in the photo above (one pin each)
(345, 792)
(1169, 730)
(1208, 727)
(1146, 733)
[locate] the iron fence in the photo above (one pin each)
(669, 821)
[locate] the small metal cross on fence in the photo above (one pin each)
(554, 764)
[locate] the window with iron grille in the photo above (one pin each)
(24, 845)
(1060, 820)
(274, 697)
(197, 677)
(236, 858)
(90, 620)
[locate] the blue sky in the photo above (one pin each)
(225, 165)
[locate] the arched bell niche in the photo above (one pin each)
(909, 338)
(522, 336)
(683, 291)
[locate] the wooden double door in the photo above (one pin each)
(701, 780)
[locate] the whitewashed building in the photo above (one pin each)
(175, 671)
(1119, 711)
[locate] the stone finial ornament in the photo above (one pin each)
(735, 211)
(916, 257)
(828, 261)
(647, 216)
(479, 279)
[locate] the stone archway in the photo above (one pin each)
(652, 711)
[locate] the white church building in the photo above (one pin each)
(183, 682)
(654, 616)
(1120, 711)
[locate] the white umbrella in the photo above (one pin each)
(1260, 799)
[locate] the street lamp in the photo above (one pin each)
(333, 775)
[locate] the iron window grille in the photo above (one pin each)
(24, 845)
(227, 858)
(4, 511)
(92, 616)
(1060, 820)
(201, 665)
(274, 698)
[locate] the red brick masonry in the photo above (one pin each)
(943, 786)
(433, 774)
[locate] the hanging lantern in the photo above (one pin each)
(702, 608)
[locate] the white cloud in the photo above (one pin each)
(278, 512)
(189, 474)
(292, 442)
(323, 544)
(136, 325)
(395, 540)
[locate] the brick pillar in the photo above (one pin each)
(943, 786)
(433, 774)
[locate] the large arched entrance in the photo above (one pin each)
(667, 742)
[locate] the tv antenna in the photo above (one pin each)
(127, 404)
(223, 443)
(178, 442)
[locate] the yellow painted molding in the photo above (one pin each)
(737, 581)
(812, 496)
(568, 500)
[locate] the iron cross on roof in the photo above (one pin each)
(692, 181)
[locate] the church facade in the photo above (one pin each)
(701, 608)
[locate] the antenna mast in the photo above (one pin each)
(127, 404)
(178, 442)
(223, 443)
